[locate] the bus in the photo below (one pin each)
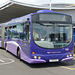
(41, 37)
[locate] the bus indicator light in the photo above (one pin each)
(71, 51)
(33, 52)
(39, 57)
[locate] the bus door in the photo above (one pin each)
(26, 33)
(26, 39)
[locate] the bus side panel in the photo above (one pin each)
(12, 47)
(25, 48)
(0, 43)
(24, 56)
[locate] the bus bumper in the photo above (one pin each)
(37, 61)
(44, 61)
(53, 58)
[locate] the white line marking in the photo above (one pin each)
(2, 61)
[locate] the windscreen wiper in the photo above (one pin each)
(44, 23)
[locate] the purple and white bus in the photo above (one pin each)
(44, 36)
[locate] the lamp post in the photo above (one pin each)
(2, 35)
(50, 4)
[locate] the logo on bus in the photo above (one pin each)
(53, 52)
(67, 49)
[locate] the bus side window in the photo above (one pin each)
(14, 32)
(6, 36)
(19, 30)
(9, 32)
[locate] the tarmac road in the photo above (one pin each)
(10, 65)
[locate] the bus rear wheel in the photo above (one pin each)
(6, 46)
(18, 54)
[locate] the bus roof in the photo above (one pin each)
(49, 11)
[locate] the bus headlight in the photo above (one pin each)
(67, 56)
(35, 57)
(39, 57)
(70, 55)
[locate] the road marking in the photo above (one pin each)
(6, 61)
(73, 54)
(73, 58)
(67, 68)
(2, 61)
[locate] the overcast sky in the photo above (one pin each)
(41, 1)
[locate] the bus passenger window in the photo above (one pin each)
(6, 36)
(9, 32)
(14, 32)
(20, 30)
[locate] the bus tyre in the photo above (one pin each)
(6, 46)
(18, 55)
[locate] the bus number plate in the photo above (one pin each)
(54, 60)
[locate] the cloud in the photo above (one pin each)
(63, 1)
(3, 1)
(36, 2)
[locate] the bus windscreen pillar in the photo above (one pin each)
(2, 36)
